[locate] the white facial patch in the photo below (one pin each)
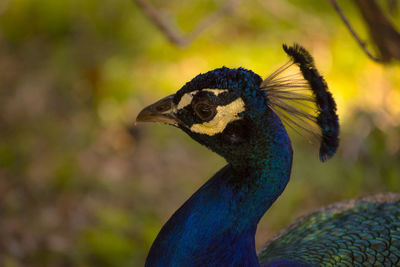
(216, 92)
(225, 115)
(187, 98)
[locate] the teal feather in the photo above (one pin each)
(363, 232)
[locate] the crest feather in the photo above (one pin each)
(302, 99)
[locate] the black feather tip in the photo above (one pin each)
(327, 119)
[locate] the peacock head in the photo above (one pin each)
(231, 110)
(218, 109)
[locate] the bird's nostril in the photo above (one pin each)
(163, 107)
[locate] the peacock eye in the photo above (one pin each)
(204, 110)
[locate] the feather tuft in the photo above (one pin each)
(303, 100)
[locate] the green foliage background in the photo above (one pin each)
(81, 185)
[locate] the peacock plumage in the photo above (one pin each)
(238, 115)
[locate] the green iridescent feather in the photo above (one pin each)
(363, 232)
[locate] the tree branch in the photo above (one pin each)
(352, 31)
(381, 29)
(174, 34)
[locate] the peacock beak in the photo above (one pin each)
(161, 111)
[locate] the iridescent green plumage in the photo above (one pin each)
(363, 232)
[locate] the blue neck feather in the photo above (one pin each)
(217, 225)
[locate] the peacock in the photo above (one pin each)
(240, 116)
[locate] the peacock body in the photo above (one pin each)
(362, 232)
(239, 116)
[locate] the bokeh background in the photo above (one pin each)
(82, 185)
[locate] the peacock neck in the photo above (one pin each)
(217, 225)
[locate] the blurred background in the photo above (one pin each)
(82, 185)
